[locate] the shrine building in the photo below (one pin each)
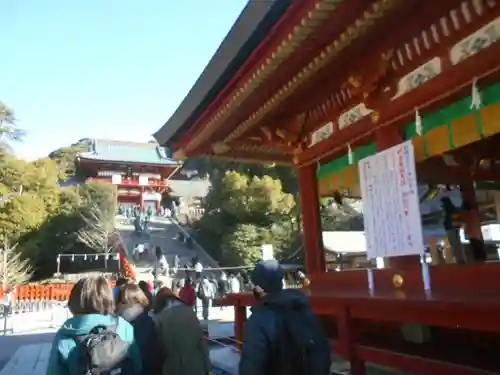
(396, 102)
(141, 171)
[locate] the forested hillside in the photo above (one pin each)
(40, 219)
(249, 205)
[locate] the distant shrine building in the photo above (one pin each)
(141, 171)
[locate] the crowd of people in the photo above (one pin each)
(128, 330)
(150, 329)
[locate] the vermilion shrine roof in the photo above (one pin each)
(251, 27)
(130, 152)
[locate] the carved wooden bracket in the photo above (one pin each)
(294, 138)
(180, 155)
(372, 85)
(220, 148)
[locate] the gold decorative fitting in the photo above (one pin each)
(375, 116)
(220, 148)
(180, 155)
(397, 280)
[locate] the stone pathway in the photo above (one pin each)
(29, 359)
(163, 233)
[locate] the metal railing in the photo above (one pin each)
(24, 316)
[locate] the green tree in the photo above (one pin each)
(66, 159)
(21, 214)
(242, 213)
(102, 195)
(9, 131)
(12, 175)
(29, 194)
(82, 223)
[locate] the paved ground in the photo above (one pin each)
(163, 233)
(25, 351)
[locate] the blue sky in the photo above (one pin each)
(116, 69)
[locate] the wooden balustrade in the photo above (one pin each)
(56, 291)
(44, 292)
(453, 328)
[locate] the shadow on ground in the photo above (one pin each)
(10, 344)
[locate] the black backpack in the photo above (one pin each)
(103, 352)
(301, 346)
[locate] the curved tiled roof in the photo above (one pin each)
(132, 152)
(249, 30)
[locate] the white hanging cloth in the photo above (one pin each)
(418, 122)
(350, 156)
(475, 96)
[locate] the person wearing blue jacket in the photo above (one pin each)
(92, 303)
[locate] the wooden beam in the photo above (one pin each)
(346, 13)
(442, 174)
(248, 157)
(455, 82)
(269, 44)
(381, 39)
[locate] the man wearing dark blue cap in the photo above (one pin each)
(282, 336)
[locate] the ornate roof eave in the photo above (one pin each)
(315, 17)
(174, 164)
(353, 32)
(251, 160)
(245, 153)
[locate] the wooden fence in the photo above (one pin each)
(44, 292)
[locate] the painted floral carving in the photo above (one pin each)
(476, 42)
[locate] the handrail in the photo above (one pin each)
(200, 248)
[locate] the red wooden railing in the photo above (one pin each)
(460, 312)
(44, 292)
(61, 291)
(40, 292)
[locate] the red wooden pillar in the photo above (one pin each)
(311, 220)
(472, 219)
(384, 139)
(240, 317)
(347, 338)
(141, 198)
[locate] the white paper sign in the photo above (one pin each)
(267, 252)
(116, 179)
(143, 180)
(391, 204)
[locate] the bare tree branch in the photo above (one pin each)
(16, 269)
(99, 232)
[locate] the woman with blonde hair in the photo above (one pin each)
(182, 343)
